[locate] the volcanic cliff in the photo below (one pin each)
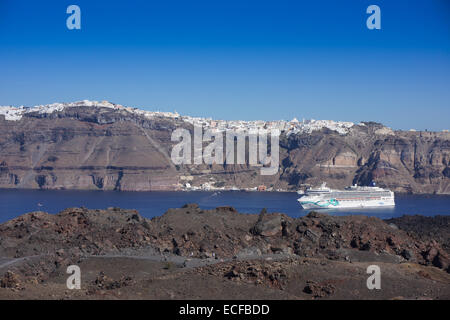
(106, 147)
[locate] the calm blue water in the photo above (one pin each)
(16, 202)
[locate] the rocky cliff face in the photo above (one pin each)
(416, 162)
(86, 147)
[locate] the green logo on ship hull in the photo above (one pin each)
(331, 202)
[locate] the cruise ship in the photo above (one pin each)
(351, 197)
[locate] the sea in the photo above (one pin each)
(14, 203)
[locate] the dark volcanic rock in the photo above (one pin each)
(316, 256)
(88, 231)
(319, 290)
(10, 280)
(106, 283)
(426, 228)
(221, 233)
(268, 225)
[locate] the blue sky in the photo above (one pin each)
(231, 59)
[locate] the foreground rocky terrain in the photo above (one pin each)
(106, 148)
(193, 253)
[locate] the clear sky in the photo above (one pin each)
(232, 59)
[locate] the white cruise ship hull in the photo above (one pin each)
(330, 204)
(351, 197)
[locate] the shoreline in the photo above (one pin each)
(212, 191)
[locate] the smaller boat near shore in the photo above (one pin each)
(351, 197)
